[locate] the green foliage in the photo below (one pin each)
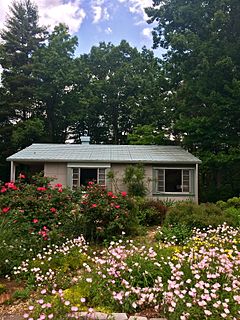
(3, 288)
(22, 294)
(203, 71)
(104, 215)
(151, 212)
(27, 132)
(232, 202)
(200, 216)
(147, 134)
(34, 210)
(21, 38)
(231, 207)
(176, 234)
(53, 70)
(134, 178)
(118, 89)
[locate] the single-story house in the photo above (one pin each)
(170, 171)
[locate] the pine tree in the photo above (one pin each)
(21, 37)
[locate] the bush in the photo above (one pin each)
(151, 212)
(134, 179)
(34, 210)
(104, 215)
(176, 234)
(199, 216)
(232, 202)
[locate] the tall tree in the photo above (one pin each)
(125, 88)
(53, 69)
(202, 39)
(21, 38)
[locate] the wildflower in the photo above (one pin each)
(74, 309)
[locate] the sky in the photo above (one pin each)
(93, 21)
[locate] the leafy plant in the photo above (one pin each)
(176, 234)
(134, 179)
(199, 216)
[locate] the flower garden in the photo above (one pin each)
(87, 250)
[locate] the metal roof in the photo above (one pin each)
(103, 153)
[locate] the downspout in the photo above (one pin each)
(13, 172)
(196, 183)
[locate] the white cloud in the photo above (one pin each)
(108, 30)
(97, 13)
(58, 11)
(100, 11)
(137, 7)
(53, 12)
(147, 32)
(3, 11)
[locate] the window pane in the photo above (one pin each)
(186, 181)
(173, 180)
(101, 176)
(160, 180)
(75, 178)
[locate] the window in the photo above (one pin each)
(81, 176)
(174, 180)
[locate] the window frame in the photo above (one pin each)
(191, 176)
(100, 175)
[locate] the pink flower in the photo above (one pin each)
(58, 185)
(53, 210)
(21, 176)
(35, 220)
(41, 189)
(3, 189)
(94, 205)
(74, 309)
(124, 193)
(110, 194)
(117, 206)
(5, 210)
(11, 185)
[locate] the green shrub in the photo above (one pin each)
(104, 215)
(134, 179)
(151, 212)
(176, 234)
(199, 216)
(2, 288)
(232, 202)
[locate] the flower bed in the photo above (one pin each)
(200, 280)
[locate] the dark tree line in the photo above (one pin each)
(119, 95)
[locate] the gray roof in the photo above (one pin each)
(103, 153)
